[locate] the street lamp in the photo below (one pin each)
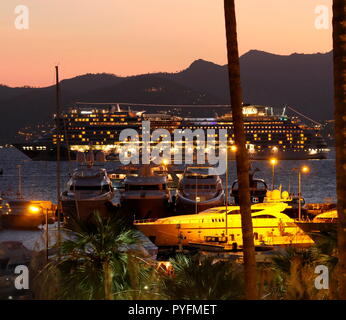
(273, 162)
(165, 162)
(35, 210)
(303, 169)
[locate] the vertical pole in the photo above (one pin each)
(20, 192)
(299, 197)
(58, 150)
(273, 174)
(196, 197)
(47, 240)
(226, 186)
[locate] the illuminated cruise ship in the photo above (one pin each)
(269, 135)
(98, 127)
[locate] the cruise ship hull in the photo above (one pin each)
(287, 155)
(37, 153)
(44, 152)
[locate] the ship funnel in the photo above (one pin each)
(80, 157)
(100, 157)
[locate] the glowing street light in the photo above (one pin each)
(303, 169)
(35, 210)
(273, 162)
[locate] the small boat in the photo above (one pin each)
(317, 208)
(146, 195)
(328, 216)
(89, 190)
(324, 222)
(199, 190)
(270, 225)
(20, 213)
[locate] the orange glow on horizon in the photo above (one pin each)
(132, 37)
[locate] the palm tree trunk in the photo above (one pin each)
(339, 56)
(241, 153)
(107, 280)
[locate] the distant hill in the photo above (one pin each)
(303, 81)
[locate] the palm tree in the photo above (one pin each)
(241, 153)
(95, 261)
(339, 56)
(202, 278)
(292, 271)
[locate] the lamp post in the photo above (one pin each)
(35, 210)
(303, 169)
(273, 162)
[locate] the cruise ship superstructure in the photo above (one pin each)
(98, 127)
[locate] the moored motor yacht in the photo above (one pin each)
(322, 223)
(270, 226)
(89, 190)
(258, 189)
(199, 190)
(21, 213)
(146, 195)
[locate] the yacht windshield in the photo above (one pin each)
(105, 187)
(145, 187)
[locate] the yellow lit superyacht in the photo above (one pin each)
(270, 225)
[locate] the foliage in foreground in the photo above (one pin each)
(203, 278)
(95, 265)
(97, 262)
(291, 273)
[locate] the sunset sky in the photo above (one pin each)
(127, 37)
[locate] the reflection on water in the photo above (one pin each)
(39, 177)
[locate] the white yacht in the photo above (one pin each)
(88, 190)
(211, 227)
(199, 190)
